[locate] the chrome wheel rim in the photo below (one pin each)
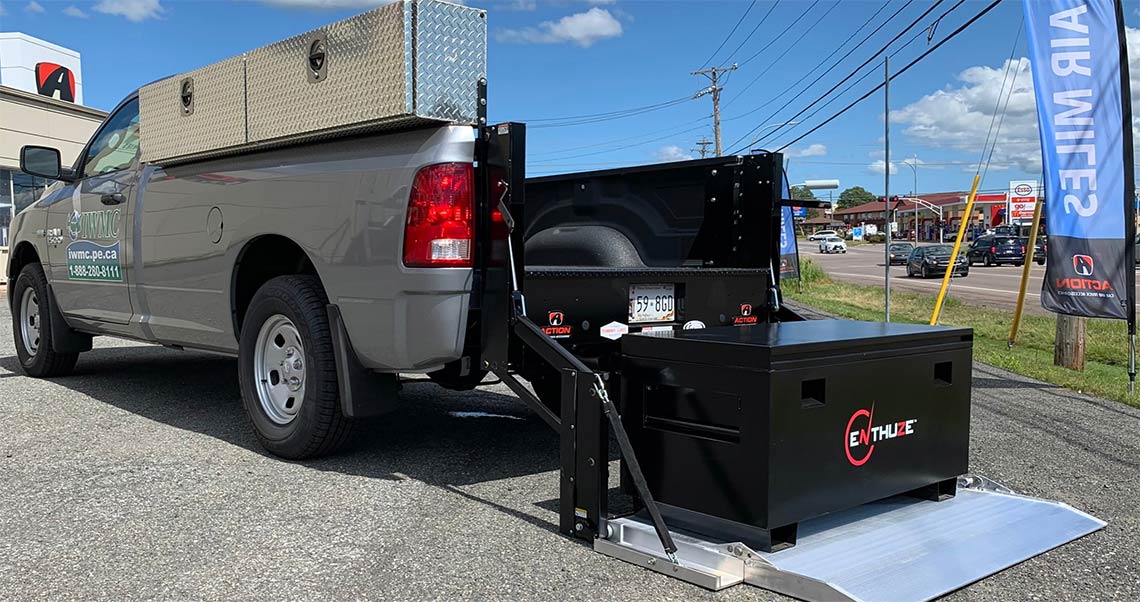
(30, 321)
(279, 369)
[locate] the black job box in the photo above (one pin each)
(743, 432)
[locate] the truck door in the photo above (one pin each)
(90, 251)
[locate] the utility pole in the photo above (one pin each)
(887, 187)
(703, 143)
(712, 73)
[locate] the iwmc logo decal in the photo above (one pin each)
(859, 441)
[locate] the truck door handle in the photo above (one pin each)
(112, 198)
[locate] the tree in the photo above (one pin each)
(856, 195)
(802, 193)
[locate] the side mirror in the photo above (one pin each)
(41, 161)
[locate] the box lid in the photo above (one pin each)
(755, 345)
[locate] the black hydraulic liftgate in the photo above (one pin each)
(587, 414)
(748, 211)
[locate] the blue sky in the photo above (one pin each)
(567, 58)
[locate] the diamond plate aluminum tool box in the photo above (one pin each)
(736, 427)
(407, 64)
(194, 113)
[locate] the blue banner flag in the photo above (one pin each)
(1077, 50)
(789, 250)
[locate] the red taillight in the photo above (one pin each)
(1022, 250)
(441, 217)
(993, 249)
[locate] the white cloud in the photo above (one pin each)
(75, 11)
(671, 152)
(958, 117)
(813, 150)
(879, 166)
(328, 4)
(133, 10)
(527, 5)
(34, 7)
(583, 29)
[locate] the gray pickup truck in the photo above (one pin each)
(241, 255)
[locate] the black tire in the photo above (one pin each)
(989, 262)
(1040, 262)
(1018, 264)
(318, 428)
(925, 272)
(43, 361)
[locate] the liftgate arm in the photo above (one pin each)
(583, 436)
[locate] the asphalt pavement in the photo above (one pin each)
(995, 286)
(139, 478)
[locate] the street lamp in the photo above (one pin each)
(762, 128)
(914, 167)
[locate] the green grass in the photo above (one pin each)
(1106, 346)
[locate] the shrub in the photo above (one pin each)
(810, 271)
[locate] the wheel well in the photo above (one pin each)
(22, 255)
(262, 259)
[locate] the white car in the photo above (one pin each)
(832, 244)
(822, 234)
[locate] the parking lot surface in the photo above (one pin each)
(139, 478)
(993, 286)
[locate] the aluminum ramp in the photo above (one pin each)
(900, 549)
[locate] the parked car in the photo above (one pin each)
(832, 244)
(934, 260)
(822, 234)
(996, 250)
(1038, 249)
(899, 252)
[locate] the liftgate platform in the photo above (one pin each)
(767, 452)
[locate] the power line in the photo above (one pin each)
(952, 35)
(775, 39)
(642, 143)
(729, 36)
(754, 29)
(610, 116)
(829, 69)
(1008, 68)
(624, 139)
(776, 61)
(861, 66)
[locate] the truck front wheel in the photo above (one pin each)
(288, 370)
(32, 324)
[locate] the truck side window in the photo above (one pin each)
(117, 143)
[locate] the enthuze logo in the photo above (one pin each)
(862, 434)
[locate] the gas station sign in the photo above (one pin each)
(1023, 195)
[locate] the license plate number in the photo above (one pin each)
(652, 303)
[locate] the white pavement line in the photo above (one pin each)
(932, 285)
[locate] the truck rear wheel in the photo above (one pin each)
(287, 370)
(32, 324)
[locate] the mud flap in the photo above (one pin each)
(363, 393)
(899, 549)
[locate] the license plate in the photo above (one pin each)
(652, 303)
